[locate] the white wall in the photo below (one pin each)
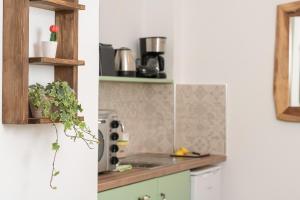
(25, 150)
(233, 42)
(39, 31)
(122, 23)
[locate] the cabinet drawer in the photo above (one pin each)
(131, 192)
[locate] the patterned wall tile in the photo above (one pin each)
(200, 118)
(147, 111)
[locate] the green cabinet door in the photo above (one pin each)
(131, 192)
(174, 187)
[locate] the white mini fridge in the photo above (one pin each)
(206, 183)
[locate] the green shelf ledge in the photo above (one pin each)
(134, 80)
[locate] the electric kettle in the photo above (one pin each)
(124, 62)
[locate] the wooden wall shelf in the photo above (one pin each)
(55, 61)
(45, 120)
(15, 76)
(134, 80)
(56, 5)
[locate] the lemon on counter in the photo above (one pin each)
(179, 153)
(184, 150)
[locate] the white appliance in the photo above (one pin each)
(206, 183)
(108, 132)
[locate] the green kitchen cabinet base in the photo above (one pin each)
(174, 187)
(131, 192)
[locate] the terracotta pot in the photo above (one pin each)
(36, 112)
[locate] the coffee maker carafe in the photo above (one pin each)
(152, 61)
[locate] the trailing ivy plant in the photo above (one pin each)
(63, 106)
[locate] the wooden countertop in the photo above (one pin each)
(172, 165)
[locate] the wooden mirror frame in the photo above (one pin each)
(284, 111)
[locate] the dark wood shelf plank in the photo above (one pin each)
(56, 5)
(15, 63)
(67, 46)
(55, 61)
(45, 120)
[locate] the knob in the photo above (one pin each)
(146, 197)
(114, 136)
(114, 148)
(163, 196)
(114, 124)
(114, 160)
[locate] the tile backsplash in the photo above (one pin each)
(147, 111)
(200, 118)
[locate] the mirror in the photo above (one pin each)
(287, 62)
(294, 61)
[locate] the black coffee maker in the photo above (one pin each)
(152, 62)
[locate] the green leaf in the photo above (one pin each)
(56, 173)
(55, 146)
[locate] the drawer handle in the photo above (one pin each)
(146, 197)
(163, 196)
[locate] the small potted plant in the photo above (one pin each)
(39, 105)
(62, 106)
(49, 48)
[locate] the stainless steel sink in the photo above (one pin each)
(148, 161)
(143, 165)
